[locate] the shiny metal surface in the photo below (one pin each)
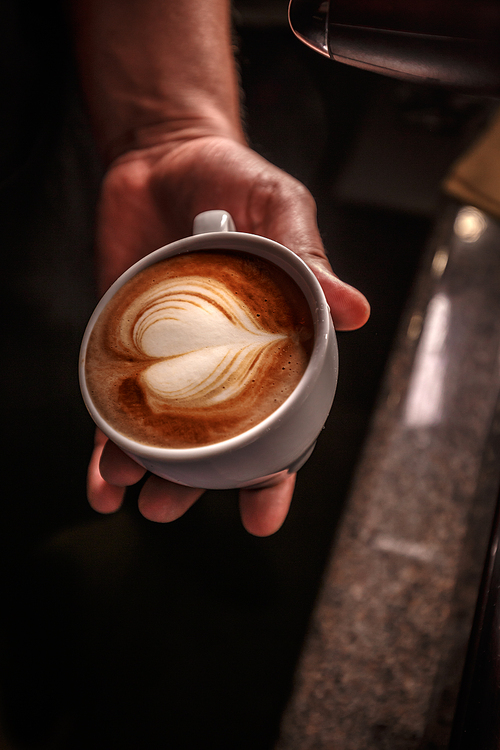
(465, 64)
(455, 47)
(309, 22)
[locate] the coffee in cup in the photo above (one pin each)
(220, 343)
(198, 348)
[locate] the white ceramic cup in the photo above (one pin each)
(282, 442)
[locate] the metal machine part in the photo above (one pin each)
(449, 43)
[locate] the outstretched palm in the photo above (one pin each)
(150, 198)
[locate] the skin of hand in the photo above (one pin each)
(161, 88)
(149, 198)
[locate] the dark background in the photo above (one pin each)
(121, 633)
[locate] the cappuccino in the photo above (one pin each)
(198, 348)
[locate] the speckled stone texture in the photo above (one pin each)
(382, 663)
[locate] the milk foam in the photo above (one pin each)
(206, 340)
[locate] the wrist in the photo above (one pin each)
(150, 68)
(170, 132)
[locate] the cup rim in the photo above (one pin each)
(224, 240)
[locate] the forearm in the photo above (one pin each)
(150, 68)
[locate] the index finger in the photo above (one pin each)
(263, 511)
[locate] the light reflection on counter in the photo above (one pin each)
(424, 402)
(387, 644)
(470, 224)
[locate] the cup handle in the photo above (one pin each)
(213, 221)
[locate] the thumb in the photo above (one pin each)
(348, 306)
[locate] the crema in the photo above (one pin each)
(198, 348)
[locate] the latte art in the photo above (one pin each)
(198, 348)
(208, 344)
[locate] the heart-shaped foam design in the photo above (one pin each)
(208, 343)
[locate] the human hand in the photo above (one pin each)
(149, 198)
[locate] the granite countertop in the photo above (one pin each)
(382, 663)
